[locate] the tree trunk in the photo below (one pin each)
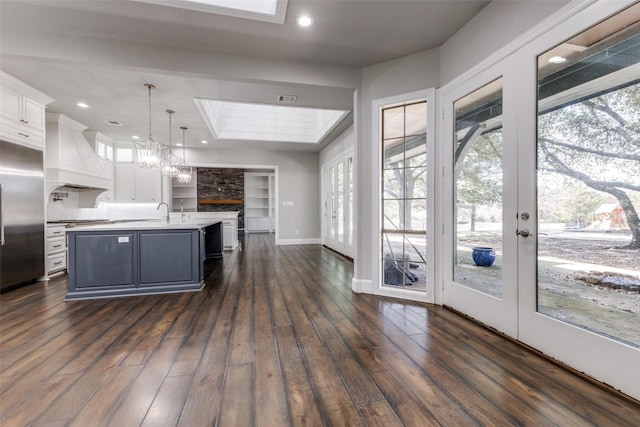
(632, 215)
(473, 217)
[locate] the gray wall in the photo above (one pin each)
(343, 142)
(298, 182)
(493, 28)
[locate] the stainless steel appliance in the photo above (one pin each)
(21, 215)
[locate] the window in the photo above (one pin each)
(404, 195)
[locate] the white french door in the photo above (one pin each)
(480, 152)
(542, 178)
(338, 204)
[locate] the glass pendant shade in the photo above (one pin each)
(184, 170)
(170, 161)
(149, 153)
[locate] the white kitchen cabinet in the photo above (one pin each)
(259, 201)
(56, 249)
(133, 183)
(22, 118)
(148, 185)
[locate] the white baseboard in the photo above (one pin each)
(360, 286)
(284, 242)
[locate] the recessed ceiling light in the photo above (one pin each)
(557, 59)
(304, 21)
(179, 144)
(82, 105)
(204, 142)
(135, 137)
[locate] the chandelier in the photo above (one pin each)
(184, 170)
(149, 153)
(170, 162)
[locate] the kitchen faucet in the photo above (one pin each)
(158, 208)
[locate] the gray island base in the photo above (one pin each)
(140, 258)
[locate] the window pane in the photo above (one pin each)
(393, 211)
(393, 156)
(124, 154)
(350, 175)
(588, 180)
(478, 190)
(415, 183)
(416, 151)
(415, 215)
(393, 122)
(340, 201)
(393, 183)
(416, 119)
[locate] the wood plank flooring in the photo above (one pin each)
(276, 338)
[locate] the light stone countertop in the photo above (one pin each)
(173, 224)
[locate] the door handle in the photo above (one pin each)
(524, 233)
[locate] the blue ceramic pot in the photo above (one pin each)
(483, 257)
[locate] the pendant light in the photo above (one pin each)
(184, 170)
(170, 161)
(149, 153)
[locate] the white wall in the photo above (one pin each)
(298, 182)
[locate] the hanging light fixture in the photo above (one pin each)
(184, 170)
(170, 161)
(149, 153)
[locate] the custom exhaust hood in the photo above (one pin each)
(71, 162)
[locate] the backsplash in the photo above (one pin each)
(65, 210)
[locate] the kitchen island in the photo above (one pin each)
(140, 258)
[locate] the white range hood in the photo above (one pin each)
(70, 161)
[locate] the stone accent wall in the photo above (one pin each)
(221, 184)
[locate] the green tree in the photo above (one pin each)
(479, 174)
(597, 141)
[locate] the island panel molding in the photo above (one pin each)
(140, 258)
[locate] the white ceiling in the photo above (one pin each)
(103, 52)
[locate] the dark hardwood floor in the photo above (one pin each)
(276, 338)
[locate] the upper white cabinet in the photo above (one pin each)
(133, 183)
(21, 112)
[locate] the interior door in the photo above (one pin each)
(480, 241)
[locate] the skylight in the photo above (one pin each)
(258, 122)
(261, 10)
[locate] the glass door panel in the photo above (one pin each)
(588, 181)
(478, 190)
(340, 193)
(333, 232)
(480, 279)
(338, 202)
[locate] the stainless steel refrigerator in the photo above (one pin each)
(22, 221)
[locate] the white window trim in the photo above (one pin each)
(376, 250)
